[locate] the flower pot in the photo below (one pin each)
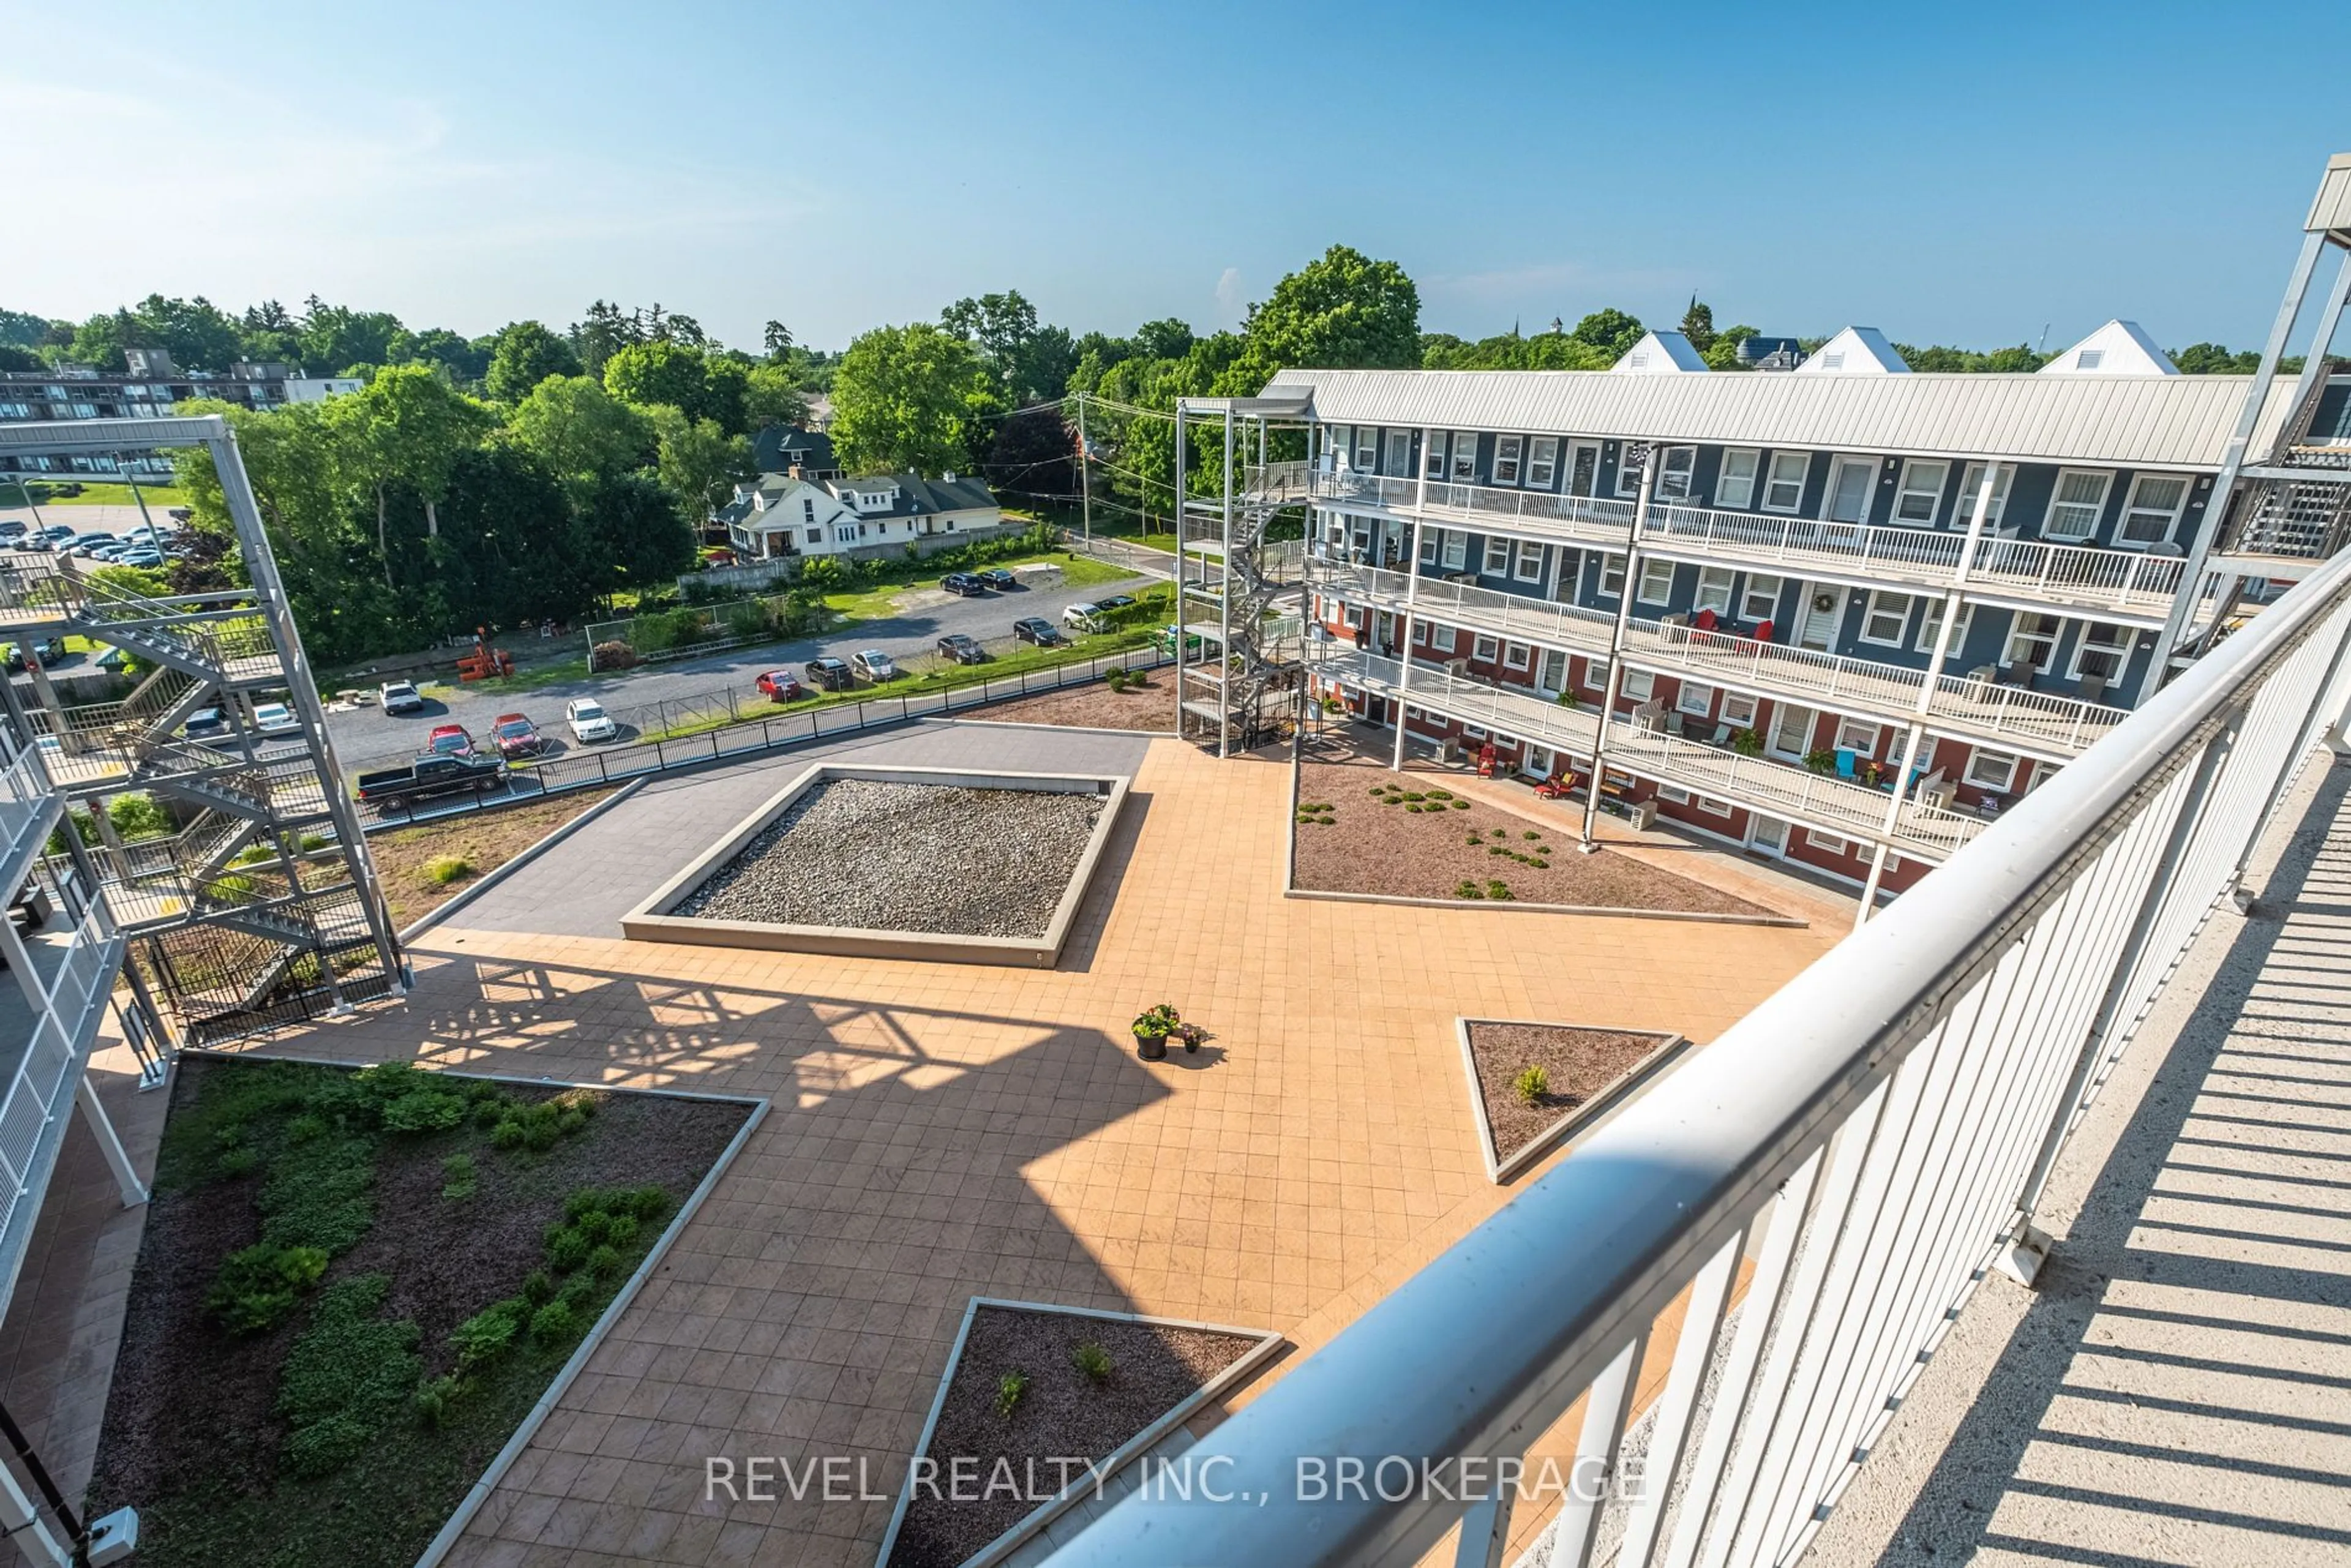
(1150, 1047)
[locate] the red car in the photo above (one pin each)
(515, 736)
(449, 740)
(781, 684)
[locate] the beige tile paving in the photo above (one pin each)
(940, 1131)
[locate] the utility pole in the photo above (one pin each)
(127, 473)
(1085, 475)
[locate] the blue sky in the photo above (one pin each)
(1971, 176)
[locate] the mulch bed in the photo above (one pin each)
(1061, 1414)
(487, 840)
(1091, 706)
(191, 1434)
(1580, 1063)
(1371, 846)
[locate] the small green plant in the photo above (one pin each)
(236, 1162)
(1464, 888)
(566, 1247)
(1476, 837)
(490, 1332)
(1414, 795)
(1440, 794)
(1460, 805)
(443, 869)
(1569, 699)
(1499, 890)
(258, 1287)
(1747, 743)
(435, 1398)
(1530, 833)
(1157, 1021)
(1010, 1389)
(459, 1177)
(1379, 788)
(553, 1324)
(1093, 1362)
(1822, 760)
(1532, 1085)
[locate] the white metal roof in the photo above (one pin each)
(2118, 349)
(2175, 421)
(1855, 351)
(1661, 353)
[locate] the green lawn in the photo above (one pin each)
(157, 497)
(877, 603)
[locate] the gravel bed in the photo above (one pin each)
(1580, 1063)
(937, 858)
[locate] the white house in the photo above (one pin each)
(778, 515)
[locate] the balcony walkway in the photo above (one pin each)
(2174, 1391)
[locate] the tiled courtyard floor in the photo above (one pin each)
(941, 1131)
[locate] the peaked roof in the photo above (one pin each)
(1855, 351)
(1660, 353)
(2118, 349)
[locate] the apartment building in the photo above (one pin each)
(151, 387)
(1859, 612)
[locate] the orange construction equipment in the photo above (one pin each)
(484, 661)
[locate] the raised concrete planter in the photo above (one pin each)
(652, 922)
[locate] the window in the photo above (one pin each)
(1631, 458)
(1367, 449)
(1857, 735)
(1761, 600)
(1465, 456)
(1737, 486)
(1497, 555)
(1785, 492)
(816, 536)
(1675, 480)
(1673, 794)
(2155, 505)
(1485, 650)
(1473, 732)
(807, 509)
(1970, 484)
(1828, 843)
(1612, 575)
(2032, 639)
(1435, 465)
(1443, 639)
(1694, 698)
(1358, 617)
(1656, 582)
(1714, 588)
(1506, 458)
(1931, 622)
(1739, 709)
(1991, 769)
(2074, 510)
(1922, 491)
(1456, 550)
(1399, 452)
(1542, 462)
(1428, 543)
(1517, 656)
(1531, 562)
(1888, 613)
(1336, 439)
(2089, 359)
(1640, 686)
(1712, 807)
(2102, 651)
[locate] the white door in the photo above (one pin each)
(1849, 490)
(1792, 729)
(1582, 468)
(1553, 679)
(1767, 835)
(1824, 613)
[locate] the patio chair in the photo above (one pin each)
(1763, 632)
(1845, 764)
(1704, 622)
(1556, 787)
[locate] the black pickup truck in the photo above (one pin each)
(433, 775)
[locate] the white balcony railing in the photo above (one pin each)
(1798, 1213)
(39, 1093)
(27, 809)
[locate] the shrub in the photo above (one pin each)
(443, 869)
(1464, 888)
(1530, 833)
(490, 1332)
(1010, 1389)
(239, 1161)
(1822, 760)
(566, 1247)
(1747, 743)
(347, 1375)
(435, 1398)
(1499, 890)
(605, 1261)
(1460, 805)
(553, 1324)
(1440, 794)
(612, 656)
(1414, 795)
(258, 1287)
(538, 1287)
(1093, 1362)
(1476, 837)
(459, 1171)
(1531, 1086)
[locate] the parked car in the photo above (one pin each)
(515, 736)
(138, 556)
(1082, 617)
(449, 740)
(401, 696)
(961, 649)
(781, 684)
(431, 776)
(47, 650)
(1116, 602)
(207, 724)
(274, 718)
(1037, 630)
(999, 578)
(828, 674)
(874, 665)
(588, 721)
(12, 529)
(56, 534)
(962, 583)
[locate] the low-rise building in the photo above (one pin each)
(784, 515)
(149, 387)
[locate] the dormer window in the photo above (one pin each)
(2089, 359)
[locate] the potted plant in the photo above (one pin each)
(1151, 1027)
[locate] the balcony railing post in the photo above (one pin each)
(1615, 682)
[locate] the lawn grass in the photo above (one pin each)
(881, 601)
(157, 497)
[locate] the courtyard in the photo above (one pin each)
(941, 1131)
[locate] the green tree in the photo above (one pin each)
(631, 534)
(405, 428)
(1697, 324)
(460, 358)
(772, 395)
(909, 398)
(1342, 310)
(1722, 354)
(775, 341)
(700, 462)
(705, 386)
(23, 328)
(581, 433)
(526, 353)
(509, 552)
(1610, 331)
(2215, 360)
(335, 338)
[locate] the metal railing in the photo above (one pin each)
(28, 807)
(1792, 1220)
(38, 1094)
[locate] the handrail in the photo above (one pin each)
(1858, 1150)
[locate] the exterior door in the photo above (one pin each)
(1849, 490)
(1767, 835)
(1792, 729)
(1823, 612)
(1553, 679)
(1582, 468)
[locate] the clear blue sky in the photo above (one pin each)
(1966, 177)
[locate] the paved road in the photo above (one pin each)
(368, 736)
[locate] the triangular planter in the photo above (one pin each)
(994, 1332)
(1638, 1055)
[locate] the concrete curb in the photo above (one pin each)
(1670, 1049)
(565, 831)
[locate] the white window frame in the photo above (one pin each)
(1509, 452)
(2002, 763)
(1755, 590)
(1827, 843)
(2057, 502)
(1916, 501)
(1367, 449)
(2127, 536)
(1715, 808)
(1497, 562)
(1431, 539)
(1678, 477)
(1465, 456)
(1542, 462)
(1339, 443)
(1449, 644)
(1628, 477)
(1611, 574)
(1971, 481)
(1698, 690)
(1673, 794)
(1886, 602)
(1931, 622)
(1651, 570)
(1456, 556)
(1858, 735)
(1784, 491)
(1529, 565)
(1743, 467)
(1517, 657)
(1357, 618)
(1486, 650)
(2019, 638)
(2112, 641)
(1639, 686)
(1739, 710)
(1432, 456)
(1399, 452)
(1714, 585)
